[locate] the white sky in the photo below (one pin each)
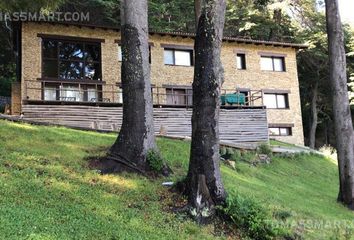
(346, 8)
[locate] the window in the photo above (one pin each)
(179, 96)
(276, 64)
(241, 61)
(69, 60)
(280, 131)
(120, 53)
(50, 92)
(178, 57)
(72, 92)
(276, 100)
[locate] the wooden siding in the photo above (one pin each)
(236, 125)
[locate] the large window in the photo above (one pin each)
(276, 100)
(69, 60)
(269, 63)
(178, 57)
(280, 131)
(72, 92)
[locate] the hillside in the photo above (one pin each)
(48, 191)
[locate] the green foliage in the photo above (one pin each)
(229, 151)
(248, 156)
(247, 214)
(264, 148)
(5, 87)
(176, 15)
(282, 214)
(29, 5)
(223, 151)
(236, 156)
(155, 160)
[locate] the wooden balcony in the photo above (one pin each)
(96, 93)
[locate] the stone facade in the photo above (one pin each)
(252, 78)
(16, 98)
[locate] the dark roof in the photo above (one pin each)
(192, 35)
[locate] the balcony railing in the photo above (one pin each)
(98, 93)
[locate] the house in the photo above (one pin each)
(70, 74)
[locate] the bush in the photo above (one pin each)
(155, 160)
(248, 215)
(236, 156)
(264, 149)
(329, 151)
(223, 151)
(229, 151)
(248, 156)
(5, 86)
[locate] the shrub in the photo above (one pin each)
(282, 214)
(223, 151)
(229, 151)
(264, 149)
(329, 151)
(248, 215)
(236, 156)
(248, 156)
(155, 160)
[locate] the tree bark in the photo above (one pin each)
(341, 110)
(204, 186)
(314, 116)
(136, 136)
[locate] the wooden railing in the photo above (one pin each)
(98, 92)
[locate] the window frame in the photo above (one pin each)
(276, 94)
(83, 61)
(289, 129)
(243, 61)
(190, 51)
(282, 58)
(82, 88)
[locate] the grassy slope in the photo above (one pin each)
(47, 191)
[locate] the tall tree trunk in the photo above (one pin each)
(314, 117)
(204, 186)
(136, 136)
(342, 117)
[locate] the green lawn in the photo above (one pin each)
(47, 190)
(281, 144)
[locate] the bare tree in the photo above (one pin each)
(136, 137)
(341, 110)
(203, 185)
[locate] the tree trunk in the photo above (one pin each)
(136, 136)
(314, 117)
(204, 186)
(342, 117)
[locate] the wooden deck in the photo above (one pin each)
(237, 125)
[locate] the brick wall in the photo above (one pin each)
(161, 74)
(16, 98)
